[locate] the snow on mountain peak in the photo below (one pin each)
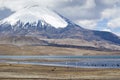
(34, 14)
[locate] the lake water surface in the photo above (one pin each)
(66, 61)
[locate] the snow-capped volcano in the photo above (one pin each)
(34, 14)
(33, 23)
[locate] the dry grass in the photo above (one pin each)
(48, 50)
(30, 72)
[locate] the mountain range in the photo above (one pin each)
(34, 25)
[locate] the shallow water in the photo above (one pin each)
(60, 57)
(82, 61)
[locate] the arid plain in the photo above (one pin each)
(50, 50)
(32, 72)
(10, 71)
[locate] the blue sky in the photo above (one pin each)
(91, 14)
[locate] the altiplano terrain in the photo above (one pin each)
(49, 50)
(37, 30)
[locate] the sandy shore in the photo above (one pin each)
(32, 72)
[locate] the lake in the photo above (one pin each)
(66, 61)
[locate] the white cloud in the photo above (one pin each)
(110, 2)
(114, 23)
(88, 24)
(113, 16)
(12, 4)
(111, 13)
(18, 4)
(89, 4)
